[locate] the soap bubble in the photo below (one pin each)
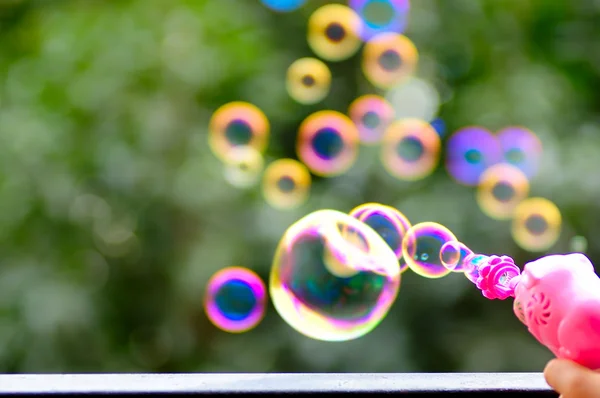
(334, 32)
(243, 167)
(237, 124)
(381, 16)
(372, 115)
(286, 184)
(333, 277)
(388, 59)
(453, 255)
(327, 143)
(536, 224)
(422, 246)
(235, 299)
(283, 5)
(521, 148)
(501, 189)
(308, 81)
(410, 149)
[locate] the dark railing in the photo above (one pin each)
(209, 384)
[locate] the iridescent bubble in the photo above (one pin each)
(521, 148)
(243, 167)
(422, 246)
(286, 184)
(388, 59)
(536, 224)
(372, 115)
(333, 277)
(327, 143)
(469, 152)
(235, 299)
(410, 149)
(283, 5)
(501, 189)
(308, 81)
(237, 124)
(453, 255)
(381, 16)
(334, 32)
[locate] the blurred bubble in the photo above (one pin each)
(333, 277)
(388, 59)
(381, 16)
(501, 189)
(536, 224)
(334, 32)
(453, 255)
(521, 148)
(327, 143)
(388, 222)
(439, 125)
(237, 124)
(243, 167)
(422, 246)
(308, 81)
(235, 299)
(578, 244)
(414, 98)
(371, 114)
(410, 149)
(469, 152)
(283, 5)
(286, 184)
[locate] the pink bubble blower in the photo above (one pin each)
(557, 297)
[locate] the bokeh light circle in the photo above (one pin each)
(469, 152)
(372, 115)
(422, 246)
(388, 59)
(308, 80)
(283, 5)
(501, 189)
(237, 124)
(235, 299)
(243, 167)
(536, 224)
(333, 277)
(334, 32)
(521, 148)
(410, 149)
(453, 255)
(286, 184)
(327, 143)
(381, 16)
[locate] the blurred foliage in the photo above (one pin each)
(114, 213)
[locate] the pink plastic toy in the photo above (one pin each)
(557, 297)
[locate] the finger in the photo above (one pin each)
(572, 380)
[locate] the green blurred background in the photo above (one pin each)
(114, 213)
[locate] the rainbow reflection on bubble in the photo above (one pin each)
(308, 80)
(327, 143)
(410, 149)
(501, 189)
(453, 255)
(333, 278)
(286, 184)
(334, 32)
(536, 224)
(388, 59)
(235, 299)
(422, 246)
(521, 148)
(372, 115)
(283, 5)
(469, 152)
(381, 16)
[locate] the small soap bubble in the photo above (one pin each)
(334, 32)
(388, 222)
(410, 149)
(333, 277)
(381, 16)
(501, 189)
(327, 143)
(308, 81)
(237, 124)
(286, 184)
(578, 244)
(521, 148)
(243, 167)
(422, 246)
(388, 59)
(235, 299)
(469, 152)
(453, 255)
(536, 224)
(372, 115)
(283, 5)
